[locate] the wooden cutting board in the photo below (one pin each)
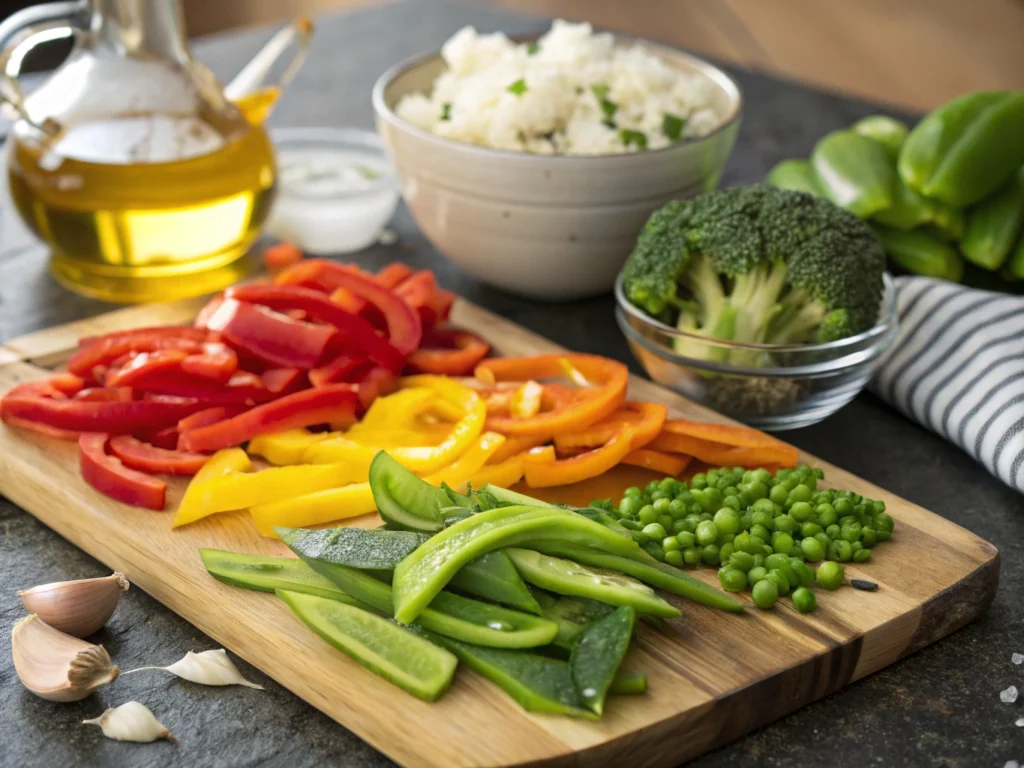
(713, 676)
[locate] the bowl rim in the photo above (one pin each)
(306, 136)
(711, 71)
(888, 324)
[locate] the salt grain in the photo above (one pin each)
(1009, 695)
(1012, 764)
(1020, 722)
(1017, 658)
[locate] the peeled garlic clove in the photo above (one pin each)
(206, 668)
(56, 666)
(77, 608)
(131, 722)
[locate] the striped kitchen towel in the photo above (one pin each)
(957, 367)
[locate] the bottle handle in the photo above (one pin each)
(253, 75)
(21, 32)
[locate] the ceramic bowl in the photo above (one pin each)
(546, 227)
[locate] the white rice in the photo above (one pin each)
(559, 111)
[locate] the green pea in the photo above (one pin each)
(801, 511)
(692, 521)
(840, 550)
(843, 506)
(632, 525)
(698, 481)
(765, 594)
(703, 516)
(732, 502)
(851, 532)
(778, 494)
(884, 522)
(679, 526)
(712, 476)
(677, 509)
(742, 561)
(830, 575)
(691, 556)
(725, 550)
(823, 538)
(804, 600)
(813, 550)
(685, 539)
(763, 518)
(707, 533)
(665, 521)
(660, 495)
(755, 574)
(775, 561)
(782, 542)
(732, 580)
(760, 531)
(803, 571)
(755, 545)
(746, 520)
(654, 531)
(884, 535)
(647, 514)
(810, 529)
(785, 524)
(674, 557)
(670, 543)
(727, 520)
(758, 560)
(827, 515)
(856, 546)
(709, 555)
(797, 553)
(801, 493)
(862, 555)
(833, 531)
(780, 580)
(668, 484)
(725, 538)
(877, 508)
(662, 505)
(756, 491)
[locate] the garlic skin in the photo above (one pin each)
(206, 668)
(131, 722)
(56, 666)
(77, 608)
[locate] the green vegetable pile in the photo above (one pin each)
(756, 264)
(541, 599)
(760, 530)
(950, 190)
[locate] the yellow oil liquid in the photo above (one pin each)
(140, 231)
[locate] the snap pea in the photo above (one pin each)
(796, 175)
(917, 252)
(994, 224)
(268, 574)
(404, 500)
(572, 615)
(425, 572)
(494, 577)
(597, 656)
(854, 172)
(887, 131)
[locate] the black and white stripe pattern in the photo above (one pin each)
(957, 367)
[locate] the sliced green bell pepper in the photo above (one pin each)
(854, 172)
(994, 224)
(966, 149)
(919, 253)
(598, 655)
(404, 500)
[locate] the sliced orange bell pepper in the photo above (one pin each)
(468, 464)
(608, 377)
(314, 508)
(724, 455)
(504, 475)
(222, 463)
(727, 434)
(287, 447)
(542, 454)
(645, 419)
(582, 467)
(514, 446)
(670, 464)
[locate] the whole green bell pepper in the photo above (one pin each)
(966, 149)
(796, 175)
(887, 131)
(854, 172)
(993, 225)
(920, 253)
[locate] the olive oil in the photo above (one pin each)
(147, 207)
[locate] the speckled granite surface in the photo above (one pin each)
(938, 707)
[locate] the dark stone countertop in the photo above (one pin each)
(939, 707)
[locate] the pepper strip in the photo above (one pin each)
(110, 416)
(645, 419)
(271, 336)
(226, 462)
(448, 352)
(334, 404)
(727, 456)
(287, 447)
(582, 467)
(516, 446)
(609, 377)
(112, 478)
(314, 508)
(138, 455)
(669, 464)
(504, 474)
(726, 434)
(468, 464)
(420, 459)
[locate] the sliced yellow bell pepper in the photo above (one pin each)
(241, 490)
(222, 463)
(525, 401)
(420, 459)
(469, 463)
(504, 475)
(314, 508)
(286, 448)
(395, 410)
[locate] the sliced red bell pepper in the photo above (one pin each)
(390, 276)
(119, 394)
(109, 476)
(355, 331)
(60, 386)
(376, 382)
(115, 417)
(403, 324)
(42, 429)
(283, 381)
(144, 366)
(154, 331)
(441, 302)
(270, 335)
(107, 349)
(334, 404)
(344, 368)
(165, 438)
(281, 255)
(209, 416)
(448, 352)
(217, 362)
(138, 455)
(208, 310)
(418, 289)
(393, 274)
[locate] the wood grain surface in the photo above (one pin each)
(714, 676)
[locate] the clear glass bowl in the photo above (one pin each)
(770, 386)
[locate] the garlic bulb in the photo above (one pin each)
(77, 608)
(206, 668)
(56, 666)
(131, 722)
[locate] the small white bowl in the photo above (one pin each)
(337, 189)
(547, 227)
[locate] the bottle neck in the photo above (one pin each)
(145, 28)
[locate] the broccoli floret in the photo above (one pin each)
(758, 264)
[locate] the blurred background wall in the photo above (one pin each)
(913, 53)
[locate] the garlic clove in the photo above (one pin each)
(131, 722)
(77, 608)
(56, 666)
(206, 668)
